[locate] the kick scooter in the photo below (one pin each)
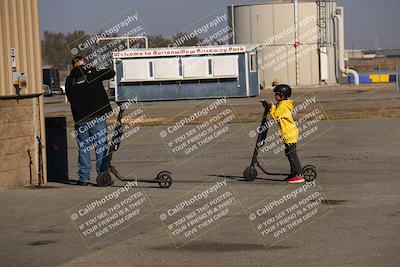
(163, 179)
(250, 173)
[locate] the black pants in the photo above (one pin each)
(291, 154)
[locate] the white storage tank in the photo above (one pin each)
(296, 38)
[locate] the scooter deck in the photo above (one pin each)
(163, 179)
(258, 164)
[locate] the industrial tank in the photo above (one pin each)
(296, 38)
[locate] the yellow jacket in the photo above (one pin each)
(282, 114)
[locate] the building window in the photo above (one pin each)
(151, 69)
(180, 67)
(253, 63)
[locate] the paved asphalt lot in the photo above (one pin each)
(357, 161)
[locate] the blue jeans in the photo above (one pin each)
(91, 135)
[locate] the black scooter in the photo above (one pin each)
(250, 173)
(163, 179)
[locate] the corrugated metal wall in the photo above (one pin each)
(19, 29)
(271, 25)
(22, 120)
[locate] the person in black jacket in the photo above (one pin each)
(89, 106)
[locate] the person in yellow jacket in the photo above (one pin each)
(282, 114)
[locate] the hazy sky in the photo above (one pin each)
(365, 20)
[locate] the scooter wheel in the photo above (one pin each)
(104, 179)
(164, 179)
(309, 173)
(250, 173)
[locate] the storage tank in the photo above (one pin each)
(296, 38)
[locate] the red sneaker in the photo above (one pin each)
(296, 180)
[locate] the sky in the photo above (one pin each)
(367, 22)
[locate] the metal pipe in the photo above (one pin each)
(233, 24)
(335, 48)
(35, 121)
(296, 33)
(30, 167)
(42, 126)
(127, 38)
(340, 29)
(397, 79)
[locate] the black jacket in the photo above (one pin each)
(85, 92)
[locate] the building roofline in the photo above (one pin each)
(270, 2)
(248, 47)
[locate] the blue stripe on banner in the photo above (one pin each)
(363, 79)
(367, 79)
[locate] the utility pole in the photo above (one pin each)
(377, 55)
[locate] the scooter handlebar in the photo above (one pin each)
(265, 103)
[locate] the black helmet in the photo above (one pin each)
(283, 90)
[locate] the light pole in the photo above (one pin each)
(397, 79)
